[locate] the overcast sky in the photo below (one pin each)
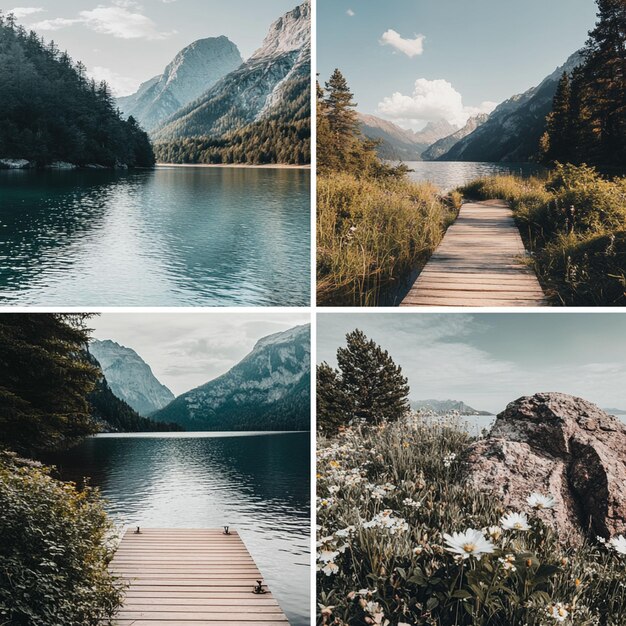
(489, 360)
(126, 42)
(190, 348)
(413, 61)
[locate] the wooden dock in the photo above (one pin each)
(191, 578)
(478, 263)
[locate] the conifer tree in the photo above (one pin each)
(558, 146)
(368, 385)
(332, 403)
(44, 382)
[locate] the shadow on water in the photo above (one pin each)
(257, 484)
(170, 236)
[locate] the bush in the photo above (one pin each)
(372, 233)
(578, 255)
(54, 551)
(386, 497)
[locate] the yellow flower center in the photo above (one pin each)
(469, 547)
(518, 525)
(562, 612)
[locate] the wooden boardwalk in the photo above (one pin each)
(478, 263)
(191, 578)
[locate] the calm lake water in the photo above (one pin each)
(448, 175)
(165, 237)
(258, 483)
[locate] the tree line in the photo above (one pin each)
(51, 111)
(587, 123)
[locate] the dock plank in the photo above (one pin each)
(478, 263)
(190, 577)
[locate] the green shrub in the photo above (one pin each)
(372, 233)
(54, 551)
(387, 495)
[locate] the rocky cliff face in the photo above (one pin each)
(440, 147)
(256, 89)
(513, 130)
(130, 377)
(563, 446)
(195, 69)
(267, 390)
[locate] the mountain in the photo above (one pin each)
(446, 406)
(514, 128)
(113, 414)
(440, 147)
(258, 113)
(130, 378)
(615, 411)
(268, 390)
(401, 144)
(193, 70)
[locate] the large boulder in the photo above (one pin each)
(562, 446)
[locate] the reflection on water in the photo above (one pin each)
(164, 237)
(257, 484)
(448, 175)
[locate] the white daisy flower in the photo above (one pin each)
(558, 612)
(539, 501)
(330, 568)
(470, 543)
(495, 532)
(515, 521)
(618, 544)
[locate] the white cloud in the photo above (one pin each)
(120, 85)
(117, 21)
(168, 1)
(410, 47)
(431, 101)
(21, 12)
(350, 13)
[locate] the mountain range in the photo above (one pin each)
(268, 390)
(443, 407)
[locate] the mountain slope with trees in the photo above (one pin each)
(52, 112)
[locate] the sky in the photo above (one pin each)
(189, 348)
(126, 42)
(488, 360)
(414, 61)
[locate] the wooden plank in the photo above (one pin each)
(478, 263)
(191, 577)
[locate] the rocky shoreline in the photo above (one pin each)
(24, 164)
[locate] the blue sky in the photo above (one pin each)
(487, 50)
(488, 360)
(128, 41)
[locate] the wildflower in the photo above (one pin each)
(601, 540)
(558, 612)
(447, 460)
(515, 521)
(539, 501)
(329, 568)
(417, 550)
(495, 532)
(470, 543)
(412, 503)
(618, 544)
(344, 532)
(507, 562)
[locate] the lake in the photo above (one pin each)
(172, 236)
(448, 175)
(258, 483)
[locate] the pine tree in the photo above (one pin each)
(44, 382)
(558, 143)
(375, 389)
(333, 405)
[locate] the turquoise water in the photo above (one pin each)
(165, 237)
(256, 483)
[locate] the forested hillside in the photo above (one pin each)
(588, 119)
(50, 111)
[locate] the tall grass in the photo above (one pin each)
(386, 496)
(372, 233)
(574, 223)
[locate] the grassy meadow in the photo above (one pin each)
(574, 225)
(372, 233)
(402, 539)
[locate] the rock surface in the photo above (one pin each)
(15, 164)
(560, 445)
(443, 145)
(130, 377)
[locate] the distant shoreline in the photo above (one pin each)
(273, 166)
